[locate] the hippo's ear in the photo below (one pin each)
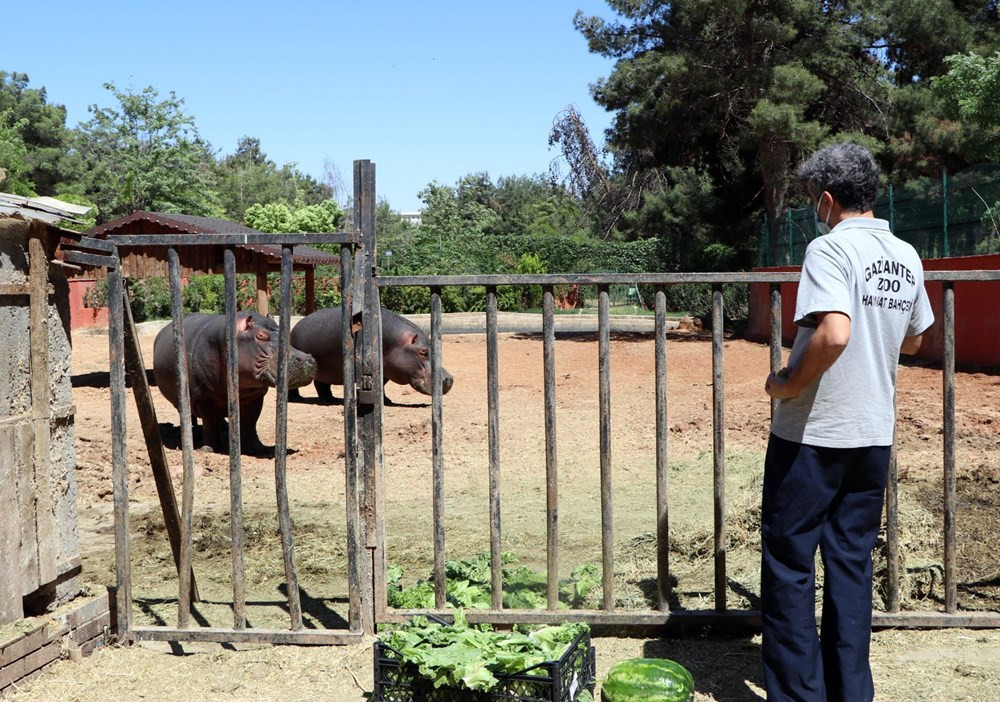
(243, 323)
(409, 337)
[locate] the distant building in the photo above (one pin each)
(413, 218)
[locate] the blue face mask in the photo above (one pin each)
(822, 227)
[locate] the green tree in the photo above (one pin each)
(733, 93)
(13, 168)
(44, 132)
(279, 218)
(248, 176)
(146, 154)
(971, 89)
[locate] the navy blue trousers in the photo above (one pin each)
(830, 498)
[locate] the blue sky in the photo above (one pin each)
(426, 90)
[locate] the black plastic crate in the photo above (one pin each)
(553, 681)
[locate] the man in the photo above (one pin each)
(861, 301)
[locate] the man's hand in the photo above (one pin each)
(778, 387)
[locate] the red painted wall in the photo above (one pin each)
(977, 312)
(79, 315)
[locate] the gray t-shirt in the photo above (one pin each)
(863, 271)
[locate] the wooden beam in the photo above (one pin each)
(135, 369)
(11, 603)
(310, 290)
(262, 299)
(38, 280)
(303, 637)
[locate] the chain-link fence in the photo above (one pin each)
(954, 215)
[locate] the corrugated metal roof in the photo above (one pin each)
(46, 209)
(192, 224)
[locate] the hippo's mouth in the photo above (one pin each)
(422, 384)
(301, 369)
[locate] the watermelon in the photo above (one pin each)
(645, 679)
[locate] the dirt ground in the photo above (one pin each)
(963, 664)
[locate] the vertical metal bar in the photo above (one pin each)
(944, 201)
(187, 441)
(719, 446)
(119, 452)
(281, 441)
(235, 472)
(662, 511)
(892, 209)
(437, 450)
(350, 441)
(607, 518)
(775, 333)
(892, 530)
(551, 455)
(950, 503)
(493, 410)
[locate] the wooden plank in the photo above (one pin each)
(437, 449)
(91, 629)
(83, 258)
(135, 369)
(551, 453)
(98, 607)
(23, 667)
(119, 453)
(235, 468)
(719, 447)
(38, 281)
(281, 442)
(229, 239)
(310, 290)
(14, 289)
(21, 645)
(950, 494)
(305, 637)
(699, 618)
(11, 591)
(587, 279)
(26, 489)
(61, 413)
(187, 441)
(370, 397)
(350, 442)
(604, 400)
(662, 501)
(263, 303)
(493, 410)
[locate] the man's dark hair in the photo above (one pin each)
(846, 171)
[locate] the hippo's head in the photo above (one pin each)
(407, 359)
(257, 348)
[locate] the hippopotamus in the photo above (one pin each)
(406, 352)
(257, 351)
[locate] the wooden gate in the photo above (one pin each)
(125, 360)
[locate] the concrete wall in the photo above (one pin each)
(34, 501)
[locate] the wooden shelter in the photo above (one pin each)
(260, 259)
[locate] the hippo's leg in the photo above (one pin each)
(250, 443)
(294, 396)
(323, 391)
(213, 429)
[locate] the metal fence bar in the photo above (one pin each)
(493, 410)
(437, 450)
(775, 342)
(607, 518)
(281, 441)
(350, 441)
(235, 472)
(719, 447)
(551, 455)
(892, 530)
(119, 451)
(950, 501)
(662, 510)
(187, 441)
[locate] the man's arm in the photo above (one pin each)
(825, 346)
(911, 344)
